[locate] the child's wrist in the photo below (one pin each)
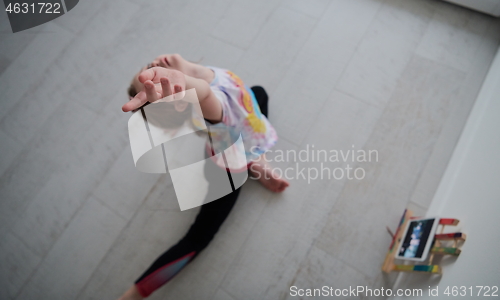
(201, 86)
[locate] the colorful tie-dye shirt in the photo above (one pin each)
(240, 114)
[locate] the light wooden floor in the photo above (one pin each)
(77, 221)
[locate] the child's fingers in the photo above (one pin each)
(151, 93)
(145, 75)
(135, 102)
(179, 94)
(165, 85)
(153, 74)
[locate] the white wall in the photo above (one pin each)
(470, 191)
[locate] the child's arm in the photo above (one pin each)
(173, 81)
(210, 105)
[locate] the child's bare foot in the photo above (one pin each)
(131, 294)
(262, 171)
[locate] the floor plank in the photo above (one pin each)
(399, 77)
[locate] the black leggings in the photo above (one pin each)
(201, 232)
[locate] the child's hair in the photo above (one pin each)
(131, 91)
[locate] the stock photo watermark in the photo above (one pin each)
(364, 291)
(353, 291)
(317, 164)
(28, 14)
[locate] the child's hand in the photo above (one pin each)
(157, 83)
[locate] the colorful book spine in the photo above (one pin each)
(446, 250)
(418, 268)
(450, 236)
(445, 221)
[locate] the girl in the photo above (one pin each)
(225, 103)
